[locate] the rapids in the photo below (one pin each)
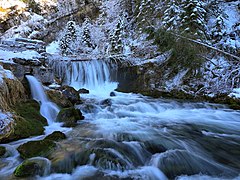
(130, 136)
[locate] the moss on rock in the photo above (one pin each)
(31, 167)
(36, 148)
(30, 110)
(56, 136)
(70, 116)
(28, 122)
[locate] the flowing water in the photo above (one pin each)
(130, 136)
(48, 109)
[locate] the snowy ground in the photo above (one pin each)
(6, 55)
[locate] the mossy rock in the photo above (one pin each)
(36, 148)
(31, 167)
(56, 136)
(59, 98)
(30, 110)
(70, 116)
(2, 151)
(22, 129)
(28, 122)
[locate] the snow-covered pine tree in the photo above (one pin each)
(86, 36)
(171, 16)
(68, 39)
(116, 38)
(193, 18)
(218, 30)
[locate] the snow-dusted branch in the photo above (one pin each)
(208, 46)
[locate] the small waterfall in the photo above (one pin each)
(83, 74)
(48, 109)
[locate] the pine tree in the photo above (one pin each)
(171, 17)
(116, 38)
(193, 18)
(86, 37)
(218, 30)
(68, 39)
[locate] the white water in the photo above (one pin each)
(93, 75)
(48, 109)
(132, 121)
(149, 138)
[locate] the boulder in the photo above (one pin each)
(83, 91)
(70, 116)
(112, 94)
(2, 151)
(56, 136)
(59, 98)
(28, 122)
(32, 167)
(36, 148)
(71, 94)
(174, 163)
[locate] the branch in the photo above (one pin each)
(208, 46)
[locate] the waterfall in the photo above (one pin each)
(82, 74)
(93, 75)
(48, 109)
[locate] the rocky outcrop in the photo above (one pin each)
(11, 15)
(26, 56)
(70, 116)
(28, 122)
(11, 89)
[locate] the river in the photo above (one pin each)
(130, 136)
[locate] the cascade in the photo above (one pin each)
(48, 109)
(130, 136)
(83, 74)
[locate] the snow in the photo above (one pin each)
(5, 120)
(26, 29)
(53, 48)
(5, 74)
(235, 93)
(232, 13)
(6, 55)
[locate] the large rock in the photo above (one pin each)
(70, 116)
(56, 136)
(41, 148)
(71, 94)
(174, 163)
(28, 122)
(59, 98)
(32, 167)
